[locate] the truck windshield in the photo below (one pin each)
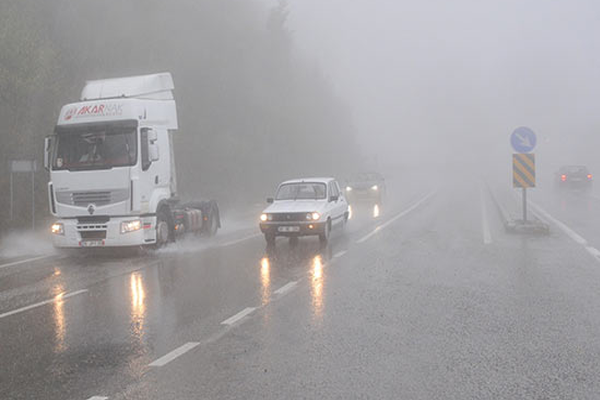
(301, 191)
(95, 147)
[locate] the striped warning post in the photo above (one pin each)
(523, 170)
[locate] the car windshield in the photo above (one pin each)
(301, 191)
(95, 148)
(576, 170)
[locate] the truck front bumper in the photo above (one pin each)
(80, 233)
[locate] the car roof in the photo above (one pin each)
(312, 180)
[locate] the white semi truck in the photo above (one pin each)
(112, 168)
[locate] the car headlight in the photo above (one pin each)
(313, 216)
(57, 228)
(375, 187)
(131, 226)
(348, 189)
(264, 217)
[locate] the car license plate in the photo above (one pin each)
(289, 229)
(92, 243)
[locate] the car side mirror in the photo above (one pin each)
(47, 149)
(334, 198)
(270, 200)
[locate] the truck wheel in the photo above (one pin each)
(162, 230)
(324, 237)
(213, 225)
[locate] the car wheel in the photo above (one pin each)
(324, 237)
(270, 239)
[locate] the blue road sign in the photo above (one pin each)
(523, 140)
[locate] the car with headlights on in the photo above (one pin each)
(366, 187)
(305, 207)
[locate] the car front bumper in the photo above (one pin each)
(292, 228)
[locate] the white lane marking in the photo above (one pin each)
(60, 297)
(167, 358)
(393, 219)
(232, 242)
(577, 238)
(285, 288)
(487, 236)
(98, 398)
(340, 253)
(25, 261)
(238, 316)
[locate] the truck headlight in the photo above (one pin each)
(348, 189)
(313, 216)
(264, 217)
(375, 187)
(131, 226)
(57, 228)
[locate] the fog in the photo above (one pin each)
(268, 90)
(439, 83)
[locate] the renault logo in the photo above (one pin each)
(91, 209)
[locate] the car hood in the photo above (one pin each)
(292, 206)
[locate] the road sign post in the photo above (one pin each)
(523, 141)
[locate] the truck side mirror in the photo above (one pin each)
(47, 150)
(153, 153)
(334, 198)
(270, 200)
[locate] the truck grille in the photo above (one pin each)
(93, 234)
(83, 199)
(96, 197)
(301, 216)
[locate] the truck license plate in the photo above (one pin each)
(92, 243)
(289, 229)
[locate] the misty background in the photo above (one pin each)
(268, 89)
(251, 111)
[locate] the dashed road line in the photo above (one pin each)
(236, 241)
(60, 297)
(577, 238)
(10, 264)
(167, 358)
(232, 320)
(98, 398)
(485, 225)
(285, 288)
(393, 219)
(340, 254)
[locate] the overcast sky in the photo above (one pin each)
(453, 78)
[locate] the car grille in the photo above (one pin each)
(289, 216)
(98, 198)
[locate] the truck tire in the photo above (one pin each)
(162, 229)
(213, 224)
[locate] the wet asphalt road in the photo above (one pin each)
(432, 300)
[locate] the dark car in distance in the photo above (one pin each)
(573, 177)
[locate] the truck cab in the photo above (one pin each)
(111, 163)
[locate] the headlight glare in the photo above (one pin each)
(315, 216)
(131, 226)
(348, 189)
(57, 228)
(264, 217)
(375, 187)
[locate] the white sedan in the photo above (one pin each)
(305, 207)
